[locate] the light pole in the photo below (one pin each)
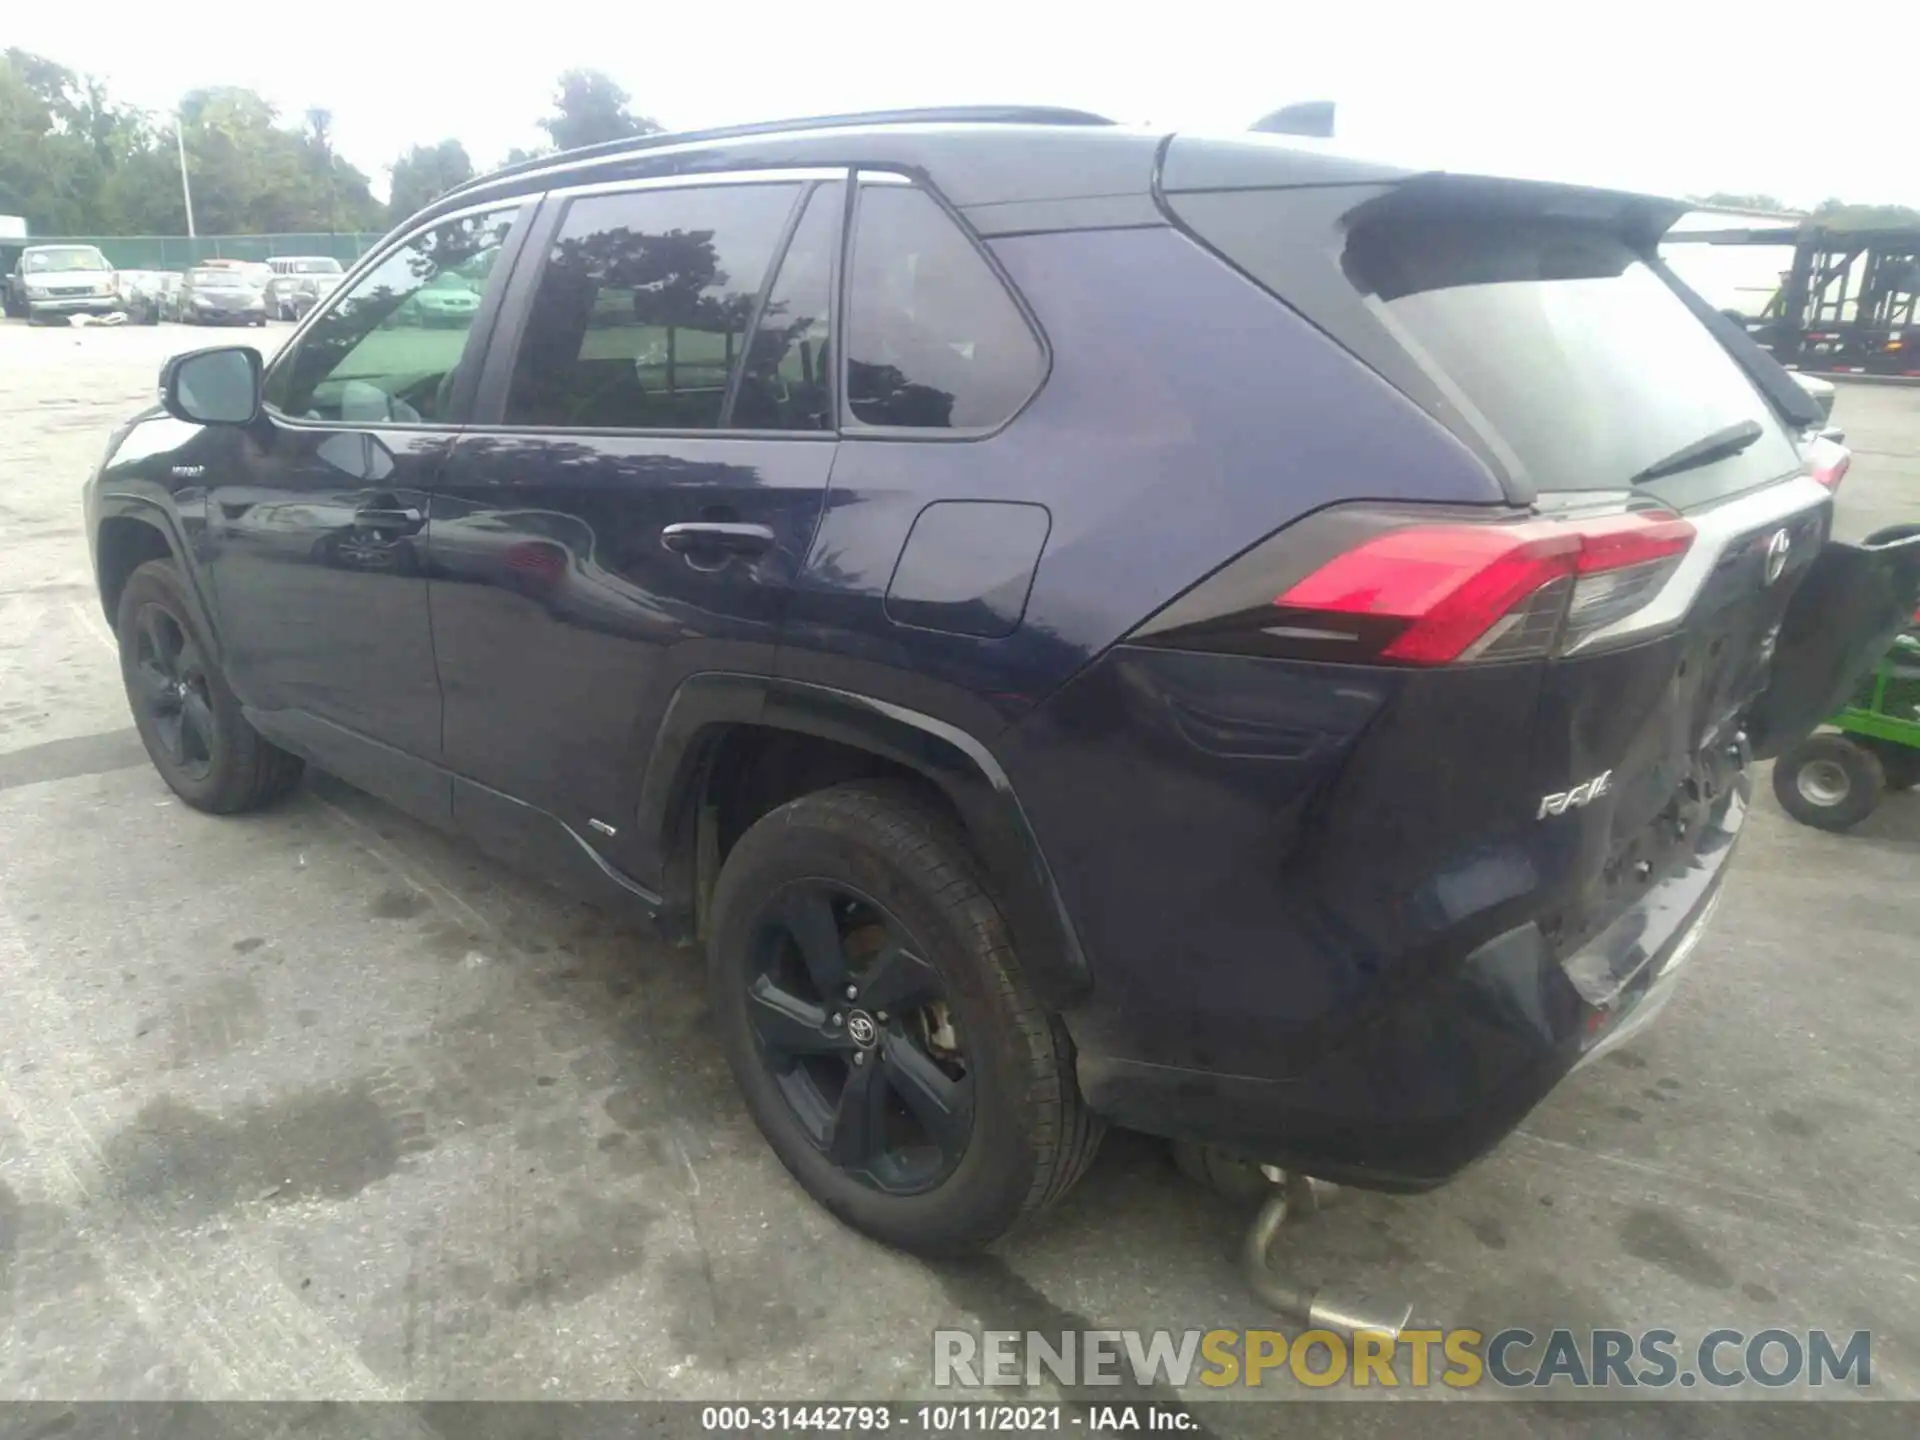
(186, 191)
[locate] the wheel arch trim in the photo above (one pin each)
(708, 704)
(112, 505)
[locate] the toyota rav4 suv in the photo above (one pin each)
(1085, 626)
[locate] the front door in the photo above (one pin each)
(316, 514)
(635, 499)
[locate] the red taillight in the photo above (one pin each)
(1829, 462)
(1493, 592)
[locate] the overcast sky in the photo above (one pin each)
(1674, 97)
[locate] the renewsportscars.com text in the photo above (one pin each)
(1459, 1359)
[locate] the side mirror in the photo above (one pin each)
(213, 387)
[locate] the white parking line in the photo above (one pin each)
(94, 626)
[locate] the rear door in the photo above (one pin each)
(650, 455)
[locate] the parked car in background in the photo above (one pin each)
(322, 287)
(141, 293)
(449, 299)
(1305, 705)
(220, 295)
(297, 279)
(52, 281)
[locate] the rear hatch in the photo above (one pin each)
(1663, 517)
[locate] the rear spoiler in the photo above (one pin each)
(1644, 221)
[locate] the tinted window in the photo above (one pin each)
(387, 349)
(643, 307)
(1576, 362)
(933, 338)
(784, 382)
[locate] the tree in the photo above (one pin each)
(253, 176)
(1721, 200)
(590, 107)
(319, 141)
(1841, 215)
(424, 174)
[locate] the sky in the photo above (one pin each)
(1679, 97)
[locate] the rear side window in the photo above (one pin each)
(643, 307)
(784, 381)
(934, 341)
(1571, 356)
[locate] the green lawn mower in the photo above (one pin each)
(1835, 778)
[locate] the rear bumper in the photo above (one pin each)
(1420, 1091)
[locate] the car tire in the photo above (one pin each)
(1829, 781)
(188, 719)
(967, 1120)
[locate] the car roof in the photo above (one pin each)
(980, 156)
(1011, 169)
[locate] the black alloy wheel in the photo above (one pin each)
(195, 731)
(880, 1026)
(857, 1035)
(169, 681)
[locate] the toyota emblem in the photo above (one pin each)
(862, 1030)
(1778, 544)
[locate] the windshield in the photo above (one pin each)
(315, 267)
(79, 257)
(1570, 356)
(216, 279)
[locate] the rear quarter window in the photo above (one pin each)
(934, 341)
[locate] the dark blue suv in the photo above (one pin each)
(1085, 625)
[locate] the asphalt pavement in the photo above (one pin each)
(321, 1104)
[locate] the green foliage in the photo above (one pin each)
(1839, 215)
(424, 174)
(74, 161)
(589, 107)
(1722, 200)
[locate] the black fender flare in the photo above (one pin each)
(963, 769)
(118, 505)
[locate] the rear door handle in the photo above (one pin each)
(716, 537)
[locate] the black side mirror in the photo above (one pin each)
(220, 386)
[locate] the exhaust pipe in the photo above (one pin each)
(1329, 1307)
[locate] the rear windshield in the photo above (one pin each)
(1547, 344)
(1572, 357)
(217, 280)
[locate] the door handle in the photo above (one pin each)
(716, 537)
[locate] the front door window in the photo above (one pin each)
(386, 350)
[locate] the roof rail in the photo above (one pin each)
(936, 115)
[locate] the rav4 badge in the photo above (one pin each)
(1573, 799)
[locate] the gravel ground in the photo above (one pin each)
(321, 1104)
